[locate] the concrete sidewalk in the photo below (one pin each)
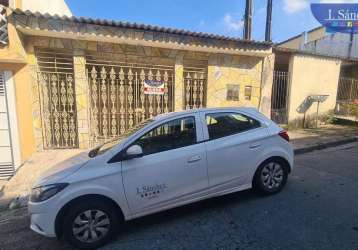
(306, 140)
(20, 185)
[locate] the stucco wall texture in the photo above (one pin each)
(52, 7)
(241, 70)
(311, 75)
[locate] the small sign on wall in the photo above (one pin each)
(217, 73)
(152, 87)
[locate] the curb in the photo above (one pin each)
(321, 146)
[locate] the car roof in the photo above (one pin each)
(249, 110)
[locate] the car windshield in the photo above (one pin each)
(110, 144)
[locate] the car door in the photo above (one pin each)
(173, 167)
(233, 142)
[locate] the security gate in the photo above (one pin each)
(347, 95)
(194, 88)
(57, 99)
(117, 96)
(279, 97)
(347, 89)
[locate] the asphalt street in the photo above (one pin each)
(316, 210)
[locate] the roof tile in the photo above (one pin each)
(139, 26)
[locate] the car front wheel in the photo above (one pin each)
(271, 176)
(90, 224)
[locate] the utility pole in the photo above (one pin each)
(248, 20)
(268, 37)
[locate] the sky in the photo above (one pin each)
(224, 17)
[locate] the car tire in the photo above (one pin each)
(271, 176)
(98, 220)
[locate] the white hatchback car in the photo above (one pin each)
(161, 163)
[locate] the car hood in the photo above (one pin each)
(63, 169)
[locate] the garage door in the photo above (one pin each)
(6, 159)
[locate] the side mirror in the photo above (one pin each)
(134, 151)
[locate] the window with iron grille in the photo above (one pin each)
(195, 87)
(57, 98)
(233, 91)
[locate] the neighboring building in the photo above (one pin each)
(17, 141)
(303, 76)
(79, 81)
(311, 64)
(318, 41)
(298, 42)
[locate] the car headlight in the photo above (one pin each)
(43, 193)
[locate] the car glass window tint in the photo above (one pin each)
(170, 135)
(225, 124)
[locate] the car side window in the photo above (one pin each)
(170, 135)
(225, 124)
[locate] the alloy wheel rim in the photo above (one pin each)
(91, 225)
(272, 175)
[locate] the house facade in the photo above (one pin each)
(85, 81)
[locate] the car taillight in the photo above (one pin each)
(284, 135)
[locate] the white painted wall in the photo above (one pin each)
(52, 7)
(310, 75)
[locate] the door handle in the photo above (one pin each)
(255, 145)
(194, 159)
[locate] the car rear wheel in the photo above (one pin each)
(271, 176)
(88, 225)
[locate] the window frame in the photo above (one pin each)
(204, 117)
(161, 124)
(119, 156)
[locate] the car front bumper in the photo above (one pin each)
(42, 219)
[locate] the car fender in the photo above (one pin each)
(273, 151)
(91, 188)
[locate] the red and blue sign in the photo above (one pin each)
(337, 17)
(152, 87)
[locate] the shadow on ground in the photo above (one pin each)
(148, 223)
(191, 209)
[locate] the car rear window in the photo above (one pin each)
(225, 124)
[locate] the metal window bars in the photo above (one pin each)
(195, 87)
(118, 100)
(279, 97)
(57, 99)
